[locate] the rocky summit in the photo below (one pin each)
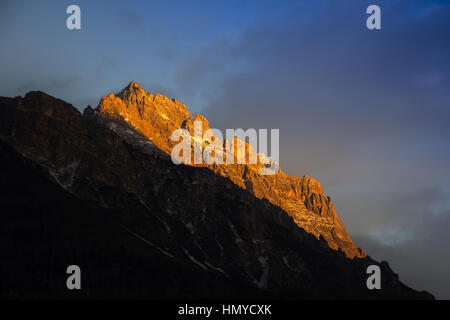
(99, 190)
(302, 198)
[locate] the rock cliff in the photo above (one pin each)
(303, 198)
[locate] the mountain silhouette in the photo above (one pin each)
(99, 190)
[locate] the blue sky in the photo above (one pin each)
(365, 112)
(142, 40)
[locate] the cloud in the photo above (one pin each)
(106, 66)
(49, 85)
(422, 259)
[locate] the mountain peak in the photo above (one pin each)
(134, 85)
(157, 117)
(133, 91)
(154, 115)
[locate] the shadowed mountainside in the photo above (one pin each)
(75, 191)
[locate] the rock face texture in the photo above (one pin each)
(157, 117)
(103, 196)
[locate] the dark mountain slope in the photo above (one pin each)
(44, 229)
(76, 192)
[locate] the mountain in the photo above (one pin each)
(94, 190)
(157, 117)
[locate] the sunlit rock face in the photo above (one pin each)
(303, 198)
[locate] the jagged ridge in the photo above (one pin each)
(157, 116)
(74, 191)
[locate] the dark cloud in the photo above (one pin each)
(106, 67)
(421, 258)
(50, 85)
